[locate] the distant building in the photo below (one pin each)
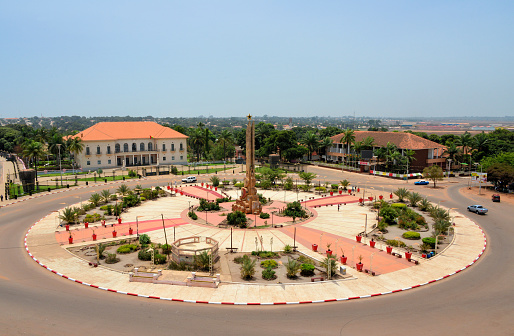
(427, 153)
(127, 144)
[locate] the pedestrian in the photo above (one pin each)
(338, 207)
(1, 198)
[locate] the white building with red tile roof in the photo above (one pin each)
(127, 144)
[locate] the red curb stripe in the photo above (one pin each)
(302, 302)
(154, 297)
(227, 303)
(205, 302)
(397, 290)
(178, 300)
(112, 290)
(94, 286)
(352, 298)
(376, 294)
(279, 303)
(330, 300)
(253, 303)
(132, 294)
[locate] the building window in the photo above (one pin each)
(125, 147)
(163, 158)
(134, 147)
(150, 146)
(172, 147)
(181, 146)
(142, 147)
(117, 148)
(108, 161)
(181, 157)
(172, 158)
(163, 147)
(88, 152)
(99, 162)
(98, 150)
(88, 163)
(108, 149)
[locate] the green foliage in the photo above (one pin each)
(144, 239)
(182, 266)
(307, 177)
(215, 180)
(111, 258)
(265, 254)
(192, 215)
(132, 173)
(329, 261)
(130, 201)
(237, 218)
(144, 255)
(288, 249)
(288, 184)
(248, 269)
(127, 248)
(429, 241)
(395, 243)
(202, 261)
(239, 185)
(334, 186)
(269, 263)
(95, 199)
(344, 183)
(388, 214)
(123, 190)
(433, 173)
(159, 259)
(382, 225)
(414, 198)
(208, 206)
(69, 215)
(268, 274)
(322, 189)
(241, 259)
(91, 218)
(307, 270)
(264, 215)
(263, 200)
(265, 184)
(166, 248)
(295, 209)
(100, 248)
(222, 200)
(424, 204)
(411, 235)
(402, 193)
(292, 267)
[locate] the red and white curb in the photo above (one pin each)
(253, 303)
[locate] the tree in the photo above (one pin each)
(348, 138)
(452, 150)
(272, 174)
(507, 158)
(75, 146)
(33, 150)
(324, 145)
(226, 139)
(414, 198)
(307, 177)
(196, 142)
(402, 193)
(311, 141)
(434, 173)
(501, 174)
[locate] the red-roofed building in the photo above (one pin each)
(427, 153)
(125, 144)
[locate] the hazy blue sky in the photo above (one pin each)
(284, 58)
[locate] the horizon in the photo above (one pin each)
(375, 60)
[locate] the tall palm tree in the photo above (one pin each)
(324, 145)
(196, 141)
(311, 141)
(33, 150)
(348, 138)
(452, 150)
(479, 143)
(409, 156)
(466, 141)
(75, 146)
(226, 139)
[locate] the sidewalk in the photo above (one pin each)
(395, 275)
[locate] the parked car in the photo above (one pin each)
(477, 209)
(189, 179)
(421, 182)
(496, 198)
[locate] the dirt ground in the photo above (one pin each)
(486, 195)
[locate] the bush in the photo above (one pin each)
(288, 185)
(429, 241)
(241, 259)
(144, 255)
(288, 248)
(144, 239)
(166, 248)
(182, 266)
(382, 226)
(411, 235)
(268, 274)
(292, 267)
(266, 184)
(395, 243)
(237, 218)
(111, 258)
(265, 254)
(159, 259)
(208, 206)
(294, 209)
(192, 215)
(130, 201)
(264, 215)
(126, 248)
(322, 189)
(334, 186)
(263, 200)
(269, 263)
(132, 173)
(248, 269)
(399, 205)
(239, 185)
(307, 270)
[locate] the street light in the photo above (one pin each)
(137, 226)
(479, 177)
(449, 166)
(60, 170)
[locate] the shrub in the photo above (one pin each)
(268, 274)
(144, 255)
(111, 258)
(248, 269)
(334, 186)
(126, 248)
(264, 215)
(166, 249)
(144, 239)
(399, 205)
(130, 201)
(269, 263)
(429, 241)
(237, 218)
(192, 215)
(307, 270)
(395, 243)
(208, 206)
(265, 254)
(411, 235)
(288, 185)
(142, 198)
(322, 189)
(239, 185)
(202, 261)
(241, 259)
(294, 209)
(215, 180)
(306, 260)
(292, 267)
(132, 173)
(182, 266)
(266, 184)
(263, 200)
(288, 248)
(222, 200)
(382, 226)
(304, 187)
(329, 262)
(159, 259)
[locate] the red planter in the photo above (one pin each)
(215, 188)
(329, 253)
(389, 249)
(423, 255)
(67, 227)
(350, 191)
(358, 189)
(331, 193)
(181, 193)
(86, 225)
(114, 233)
(359, 267)
(103, 223)
(94, 236)
(70, 240)
(370, 198)
(202, 184)
(343, 260)
(315, 247)
(340, 192)
(361, 200)
(380, 197)
(408, 255)
(390, 195)
(169, 187)
(372, 243)
(131, 231)
(119, 220)
(358, 239)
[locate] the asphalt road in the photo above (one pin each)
(478, 301)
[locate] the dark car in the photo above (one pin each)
(496, 198)
(421, 182)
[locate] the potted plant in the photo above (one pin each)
(94, 235)
(114, 233)
(408, 253)
(70, 239)
(372, 243)
(358, 239)
(329, 251)
(315, 247)
(86, 225)
(343, 257)
(131, 231)
(360, 265)
(389, 249)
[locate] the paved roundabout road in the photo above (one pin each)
(33, 301)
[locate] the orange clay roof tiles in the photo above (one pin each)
(128, 130)
(401, 140)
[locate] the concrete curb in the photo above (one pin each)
(255, 303)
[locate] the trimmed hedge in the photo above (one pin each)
(411, 235)
(269, 263)
(429, 241)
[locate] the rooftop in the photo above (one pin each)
(128, 130)
(401, 140)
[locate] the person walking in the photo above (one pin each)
(1, 198)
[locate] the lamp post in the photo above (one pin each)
(479, 178)
(60, 169)
(137, 226)
(449, 166)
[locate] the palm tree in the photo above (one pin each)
(123, 189)
(33, 150)
(75, 146)
(452, 150)
(348, 138)
(414, 198)
(95, 199)
(409, 156)
(424, 204)
(311, 141)
(196, 141)
(324, 144)
(479, 143)
(53, 144)
(248, 268)
(226, 139)
(466, 141)
(69, 215)
(106, 195)
(402, 193)
(292, 267)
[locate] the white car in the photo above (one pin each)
(189, 179)
(477, 209)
